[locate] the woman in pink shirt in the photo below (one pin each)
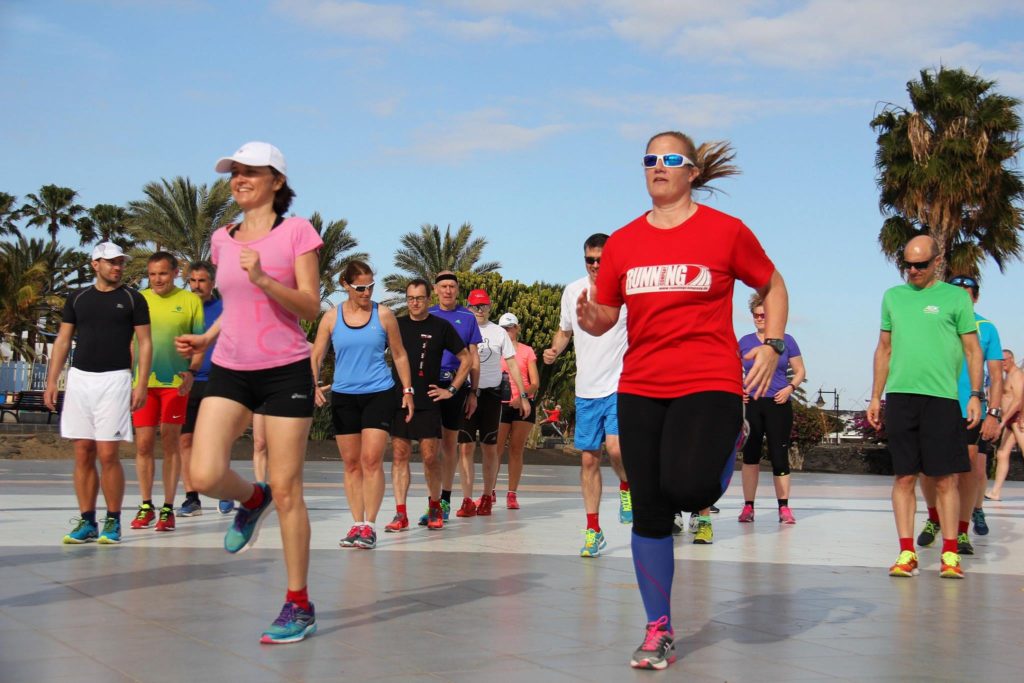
(268, 277)
(514, 428)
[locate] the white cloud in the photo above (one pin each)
(361, 19)
(483, 29)
(483, 130)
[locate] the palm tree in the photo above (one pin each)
(333, 257)
(426, 253)
(944, 169)
(179, 217)
(104, 223)
(53, 208)
(9, 214)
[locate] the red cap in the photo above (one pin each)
(478, 297)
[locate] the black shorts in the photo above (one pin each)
(925, 435)
(454, 408)
(972, 435)
(195, 397)
(284, 391)
(510, 413)
(425, 424)
(482, 425)
(352, 413)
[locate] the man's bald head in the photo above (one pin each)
(921, 248)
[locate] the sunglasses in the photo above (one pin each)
(667, 160)
(591, 260)
(415, 299)
(964, 282)
(759, 316)
(363, 288)
(918, 265)
(480, 307)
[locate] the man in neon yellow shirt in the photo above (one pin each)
(173, 311)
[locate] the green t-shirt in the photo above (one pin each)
(926, 325)
(179, 312)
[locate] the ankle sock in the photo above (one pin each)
(255, 500)
(783, 502)
(907, 544)
(933, 515)
(89, 516)
(299, 597)
(961, 526)
(402, 510)
(654, 566)
(446, 496)
(191, 496)
(749, 502)
(592, 522)
(949, 545)
(623, 485)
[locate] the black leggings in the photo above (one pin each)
(679, 454)
(774, 420)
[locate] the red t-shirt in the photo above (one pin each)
(677, 285)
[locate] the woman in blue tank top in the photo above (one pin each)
(364, 400)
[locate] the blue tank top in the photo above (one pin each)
(359, 365)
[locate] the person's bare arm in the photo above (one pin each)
(144, 359)
(972, 356)
(319, 351)
(776, 313)
(883, 353)
(990, 426)
(59, 356)
(399, 356)
(558, 345)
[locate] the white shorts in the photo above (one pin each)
(97, 406)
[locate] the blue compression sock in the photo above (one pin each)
(654, 564)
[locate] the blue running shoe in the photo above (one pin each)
(190, 508)
(226, 506)
(84, 532)
(625, 507)
(593, 543)
(980, 525)
(446, 508)
(292, 625)
(243, 531)
(111, 534)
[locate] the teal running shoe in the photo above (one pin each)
(593, 543)
(111, 534)
(625, 507)
(84, 532)
(291, 626)
(446, 508)
(243, 531)
(980, 525)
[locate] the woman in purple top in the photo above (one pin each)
(770, 416)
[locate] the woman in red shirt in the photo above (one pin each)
(680, 393)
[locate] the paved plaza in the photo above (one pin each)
(504, 598)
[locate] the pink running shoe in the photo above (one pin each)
(786, 515)
(511, 502)
(747, 514)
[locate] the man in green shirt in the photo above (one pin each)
(927, 333)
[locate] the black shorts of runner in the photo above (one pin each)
(425, 424)
(972, 435)
(454, 409)
(195, 397)
(679, 454)
(284, 391)
(925, 435)
(773, 422)
(510, 413)
(482, 425)
(352, 413)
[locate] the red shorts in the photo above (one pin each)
(163, 406)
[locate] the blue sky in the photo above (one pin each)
(525, 118)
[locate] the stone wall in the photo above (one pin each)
(864, 458)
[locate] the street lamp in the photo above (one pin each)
(821, 404)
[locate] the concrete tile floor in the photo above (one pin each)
(504, 598)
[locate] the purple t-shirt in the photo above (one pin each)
(779, 380)
(465, 324)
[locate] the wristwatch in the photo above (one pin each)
(980, 395)
(408, 390)
(997, 413)
(778, 345)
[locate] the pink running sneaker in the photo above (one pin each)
(747, 514)
(511, 502)
(349, 540)
(786, 515)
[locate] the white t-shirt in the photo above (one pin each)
(494, 346)
(598, 359)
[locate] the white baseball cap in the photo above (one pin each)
(508, 320)
(108, 250)
(254, 154)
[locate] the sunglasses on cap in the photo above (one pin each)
(363, 288)
(667, 160)
(918, 265)
(963, 281)
(591, 260)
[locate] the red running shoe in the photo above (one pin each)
(144, 517)
(399, 523)
(483, 506)
(511, 502)
(166, 521)
(435, 518)
(468, 508)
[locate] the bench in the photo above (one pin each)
(30, 402)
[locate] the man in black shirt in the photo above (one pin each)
(425, 338)
(99, 398)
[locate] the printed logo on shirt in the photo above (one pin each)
(120, 305)
(674, 277)
(297, 396)
(931, 310)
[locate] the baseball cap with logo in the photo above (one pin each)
(478, 297)
(254, 154)
(508, 320)
(108, 250)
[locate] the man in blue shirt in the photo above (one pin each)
(971, 484)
